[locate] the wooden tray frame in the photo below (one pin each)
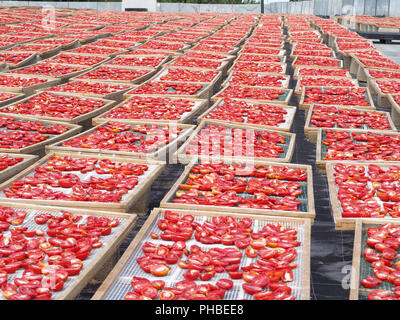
(62, 78)
(306, 106)
(47, 53)
(154, 155)
(383, 98)
(296, 74)
(108, 104)
(17, 97)
(31, 89)
(295, 65)
(181, 156)
(240, 57)
(126, 205)
(312, 132)
(185, 47)
(73, 130)
(298, 89)
(205, 93)
(293, 56)
(285, 84)
(349, 223)
(223, 67)
(358, 68)
(282, 51)
(128, 56)
(29, 159)
(217, 102)
(106, 58)
(110, 55)
(283, 65)
(139, 80)
(102, 255)
(117, 96)
(310, 214)
(321, 164)
(188, 119)
(289, 92)
(31, 59)
(395, 112)
(100, 294)
(215, 83)
(232, 52)
(355, 287)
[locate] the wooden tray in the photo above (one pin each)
(223, 67)
(115, 286)
(312, 132)
(128, 56)
(163, 153)
(31, 89)
(395, 110)
(383, 98)
(293, 54)
(200, 106)
(108, 104)
(309, 202)
(105, 58)
(205, 92)
(63, 77)
(296, 74)
(117, 96)
(349, 223)
(285, 82)
(96, 262)
(182, 157)
(214, 84)
(358, 68)
(299, 88)
(241, 58)
(283, 65)
(73, 130)
(321, 164)
(357, 291)
(17, 96)
(138, 80)
(130, 203)
(295, 65)
(291, 111)
(281, 53)
(29, 159)
(305, 106)
(285, 99)
(31, 59)
(370, 79)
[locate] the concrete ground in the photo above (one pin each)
(391, 51)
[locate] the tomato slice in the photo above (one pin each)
(251, 252)
(167, 295)
(225, 284)
(251, 288)
(159, 270)
(149, 292)
(379, 294)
